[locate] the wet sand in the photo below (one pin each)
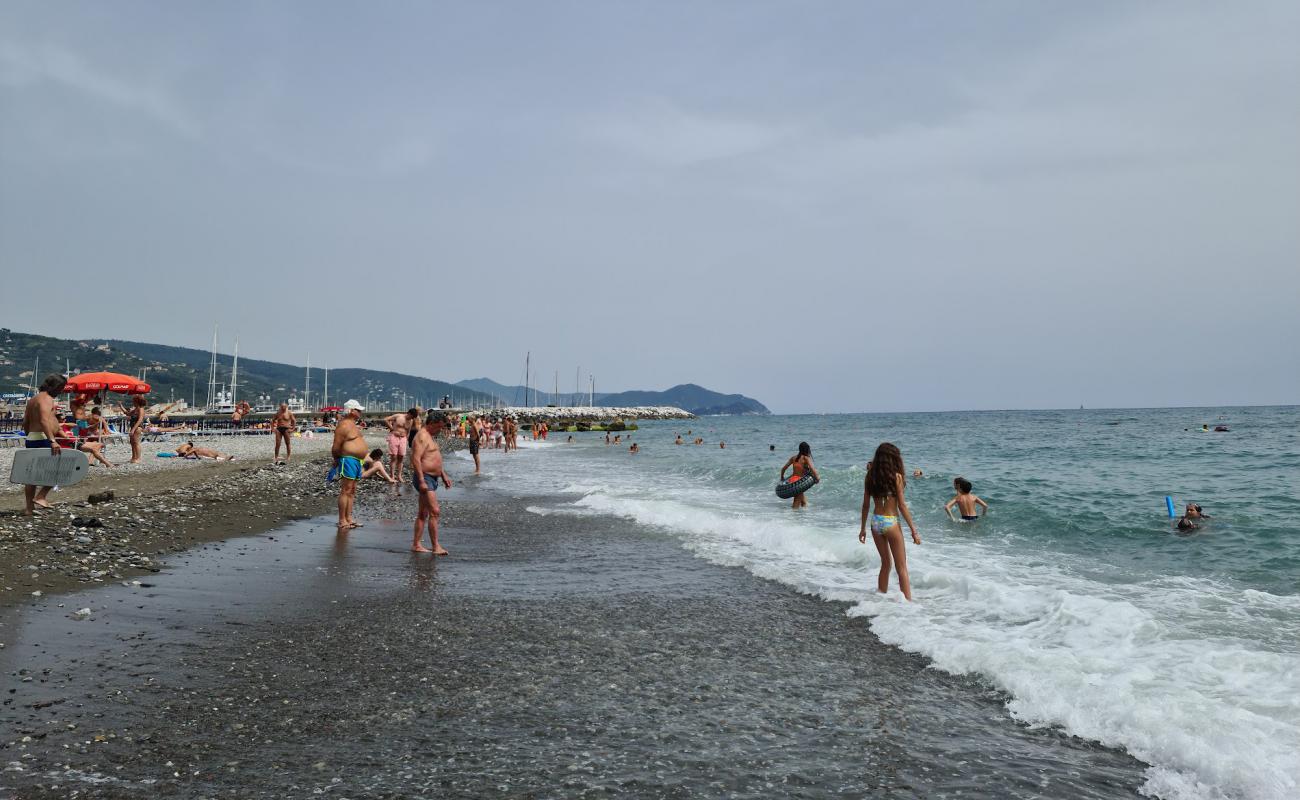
(548, 656)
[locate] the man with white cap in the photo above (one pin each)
(349, 451)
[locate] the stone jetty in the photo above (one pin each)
(589, 414)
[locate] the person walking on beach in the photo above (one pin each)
(41, 428)
(800, 464)
(399, 430)
(282, 427)
(884, 486)
(426, 470)
(349, 450)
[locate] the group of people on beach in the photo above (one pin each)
(409, 434)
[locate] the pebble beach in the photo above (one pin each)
(158, 507)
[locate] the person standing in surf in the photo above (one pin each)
(800, 464)
(884, 486)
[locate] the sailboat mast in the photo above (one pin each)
(234, 375)
(36, 370)
(212, 369)
(306, 388)
(528, 364)
(326, 401)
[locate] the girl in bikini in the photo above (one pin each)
(884, 486)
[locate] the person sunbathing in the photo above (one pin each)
(188, 450)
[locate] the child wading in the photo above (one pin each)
(884, 486)
(967, 503)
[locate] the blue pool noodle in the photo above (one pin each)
(1169, 505)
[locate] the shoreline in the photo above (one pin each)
(548, 655)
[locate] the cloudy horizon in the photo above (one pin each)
(871, 207)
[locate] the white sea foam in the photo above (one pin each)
(1179, 672)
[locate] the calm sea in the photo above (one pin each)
(1074, 596)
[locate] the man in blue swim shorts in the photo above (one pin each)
(349, 451)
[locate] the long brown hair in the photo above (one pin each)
(885, 465)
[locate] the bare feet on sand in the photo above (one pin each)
(420, 548)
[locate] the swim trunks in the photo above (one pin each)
(881, 523)
(969, 517)
(473, 446)
(350, 468)
(430, 481)
(397, 445)
(41, 442)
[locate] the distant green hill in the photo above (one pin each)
(695, 399)
(688, 396)
(182, 372)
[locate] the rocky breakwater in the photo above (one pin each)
(553, 414)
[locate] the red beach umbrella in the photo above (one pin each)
(92, 382)
(332, 408)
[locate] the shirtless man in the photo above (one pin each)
(426, 469)
(42, 428)
(349, 451)
(242, 409)
(399, 432)
(282, 426)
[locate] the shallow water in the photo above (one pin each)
(549, 656)
(1074, 596)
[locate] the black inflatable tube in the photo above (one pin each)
(785, 490)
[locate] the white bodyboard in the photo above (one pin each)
(38, 466)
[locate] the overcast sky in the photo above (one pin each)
(827, 206)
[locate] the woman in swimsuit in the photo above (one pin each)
(884, 486)
(136, 418)
(800, 464)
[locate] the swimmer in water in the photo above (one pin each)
(967, 503)
(1191, 518)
